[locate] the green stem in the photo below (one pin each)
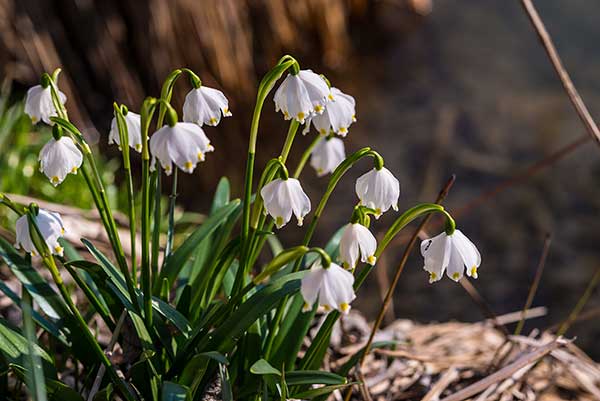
(171, 229)
(306, 155)
(148, 109)
(124, 141)
(155, 184)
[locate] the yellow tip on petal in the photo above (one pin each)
(226, 110)
(344, 307)
(306, 307)
(34, 119)
(279, 221)
(474, 271)
(74, 170)
(213, 121)
(54, 180)
(58, 249)
(138, 146)
(371, 260)
(286, 115)
(330, 96)
(188, 165)
(432, 277)
(343, 130)
(300, 116)
(200, 156)
(327, 308)
(455, 276)
(62, 231)
(323, 131)
(318, 108)
(346, 265)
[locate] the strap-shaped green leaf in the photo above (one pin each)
(180, 256)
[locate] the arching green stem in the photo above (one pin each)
(124, 141)
(306, 155)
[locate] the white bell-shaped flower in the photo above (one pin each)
(204, 106)
(302, 95)
(39, 106)
(327, 155)
(134, 131)
(332, 288)
(450, 253)
(284, 197)
(339, 114)
(378, 190)
(59, 158)
(51, 227)
(357, 241)
(184, 144)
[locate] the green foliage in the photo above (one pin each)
(207, 315)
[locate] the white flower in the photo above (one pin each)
(134, 132)
(339, 114)
(184, 144)
(51, 227)
(327, 155)
(379, 190)
(59, 158)
(450, 253)
(204, 106)
(284, 197)
(357, 240)
(302, 95)
(331, 287)
(39, 106)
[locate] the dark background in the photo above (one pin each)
(445, 87)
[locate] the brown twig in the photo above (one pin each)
(399, 270)
(580, 304)
(534, 285)
(576, 100)
(505, 372)
(483, 305)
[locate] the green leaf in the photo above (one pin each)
(172, 315)
(260, 303)
(181, 255)
(310, 394)
(174, 392)
(196, 367)
(48, 300)
(15, 348)
(262, 367)
(222, 195)
(301, 377)
(34, 376)
(41, 321)
(226, 391)
(59, 391)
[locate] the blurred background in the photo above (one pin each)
(441, 87)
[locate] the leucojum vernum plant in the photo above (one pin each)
(207, 313)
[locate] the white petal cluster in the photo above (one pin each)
(357, 241)
(134, 132)
(204, 106)
(450, 253)
(51, 227)
(39, 106)
(184, 144)
(284, 197)
(302, 96)
(59, 158)
(378, 190)
(332, 288)
(327, 155)
(339, 114)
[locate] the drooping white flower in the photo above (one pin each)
(450, 253)
(134, 132)
(332, 287)
(51, 227)
(339, 114)
(327, 155)
(284, 197)
(302, 95)
(357, 241)
(184, 144)
(39, 106)
(379, 190)
(59, 158)
(204, 106)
